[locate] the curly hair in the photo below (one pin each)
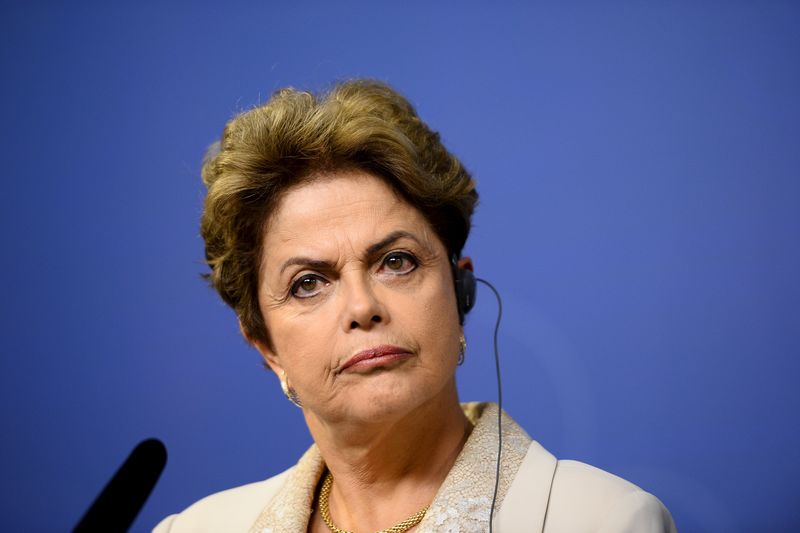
(295, 136)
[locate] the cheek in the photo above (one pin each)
(434, 322)
(303, 344)
(444, 305)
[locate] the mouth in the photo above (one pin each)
(377, 357)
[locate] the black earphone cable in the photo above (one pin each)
(499, 397)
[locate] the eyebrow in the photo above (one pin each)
(372, 250)
(389, 239)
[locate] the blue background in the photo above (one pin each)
(638, 170)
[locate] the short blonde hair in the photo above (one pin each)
(296, 135)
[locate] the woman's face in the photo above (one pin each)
(357, 295)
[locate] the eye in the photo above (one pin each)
(399, 263)
(307, 286)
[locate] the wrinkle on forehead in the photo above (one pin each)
(299, 209)
(326, 181)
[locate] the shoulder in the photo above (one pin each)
(561, 495)
(583, 497)
(231, 510)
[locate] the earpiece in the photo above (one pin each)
(465, 288)
(466, 282)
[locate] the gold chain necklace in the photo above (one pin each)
(325, 492)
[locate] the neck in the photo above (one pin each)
(384, 472)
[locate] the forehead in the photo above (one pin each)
(349, 207)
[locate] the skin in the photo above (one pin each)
(348, 265)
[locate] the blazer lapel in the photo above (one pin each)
(525, 504)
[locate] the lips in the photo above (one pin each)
(378, 356)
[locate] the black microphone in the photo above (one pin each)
(126, 493)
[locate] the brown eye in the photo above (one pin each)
(307, 286)
(399, 263)
(394, 262)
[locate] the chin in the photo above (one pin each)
(383, 404)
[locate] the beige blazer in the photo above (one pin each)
(537, 493)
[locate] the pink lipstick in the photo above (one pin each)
(371, 358)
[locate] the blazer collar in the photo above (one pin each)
(462, 503)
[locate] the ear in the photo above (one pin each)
(268, 354)
(466, 263)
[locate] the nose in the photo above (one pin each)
(362, 307)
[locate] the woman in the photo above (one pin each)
(334, 229)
